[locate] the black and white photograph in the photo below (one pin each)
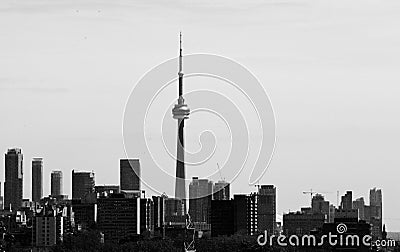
(199, 125)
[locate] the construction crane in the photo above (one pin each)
(311, 192)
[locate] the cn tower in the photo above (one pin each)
(180, 112)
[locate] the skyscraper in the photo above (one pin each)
(13, 185)
(267, 208)
(221, 190)
(375, 202)
(200, 196)
(56, 183)
(118, 218)
(347, 201)
(180, 112)
(37, 179)
(359, 204)
(129, 175)
(82, 184)
(320, 205)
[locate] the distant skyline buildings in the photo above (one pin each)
(56, 183)
(13, 184)
(37, 179)
(264, 200)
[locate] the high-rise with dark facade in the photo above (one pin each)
(129, 175)
(221, 190)
(13, 185)
(82, 184)
(200, 196)
(267, 208)
(56, 183)
(347, 201)
(118, 218)
(236, 216)
(37, 179)
(320, 205)
(222, 217)
(375, 213)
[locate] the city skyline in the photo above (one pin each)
(329, 131)
(346, 200)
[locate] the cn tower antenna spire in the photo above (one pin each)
(180, 73)
(180, 44)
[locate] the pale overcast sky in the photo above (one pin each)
(331, 69)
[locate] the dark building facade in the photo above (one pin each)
(56, 183)
(174, 212)
(347, 201)
(320, 205)
(200, 196)
(84, 214)
(245, 210)
(13, 185)
(37, 179)
(222, 218)
(375, 212)
(236, 216)
(266, 208)
(302, 223)
(118, 218)
(129, 179)
(221, 190)
(82, 184)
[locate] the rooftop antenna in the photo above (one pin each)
(220, 174)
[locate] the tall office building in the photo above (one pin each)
(245, 213)
(56, 183)
(200, 196)
(222, 218)
(347, 201)
(82, 184)
(13, 185)
(180, 112)
(118, 218)
(359, 204)
(221, 190)
(320, 205)
(37, 179)
(129, 175)
(267, 208)
(235, 216)
(375, 202)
